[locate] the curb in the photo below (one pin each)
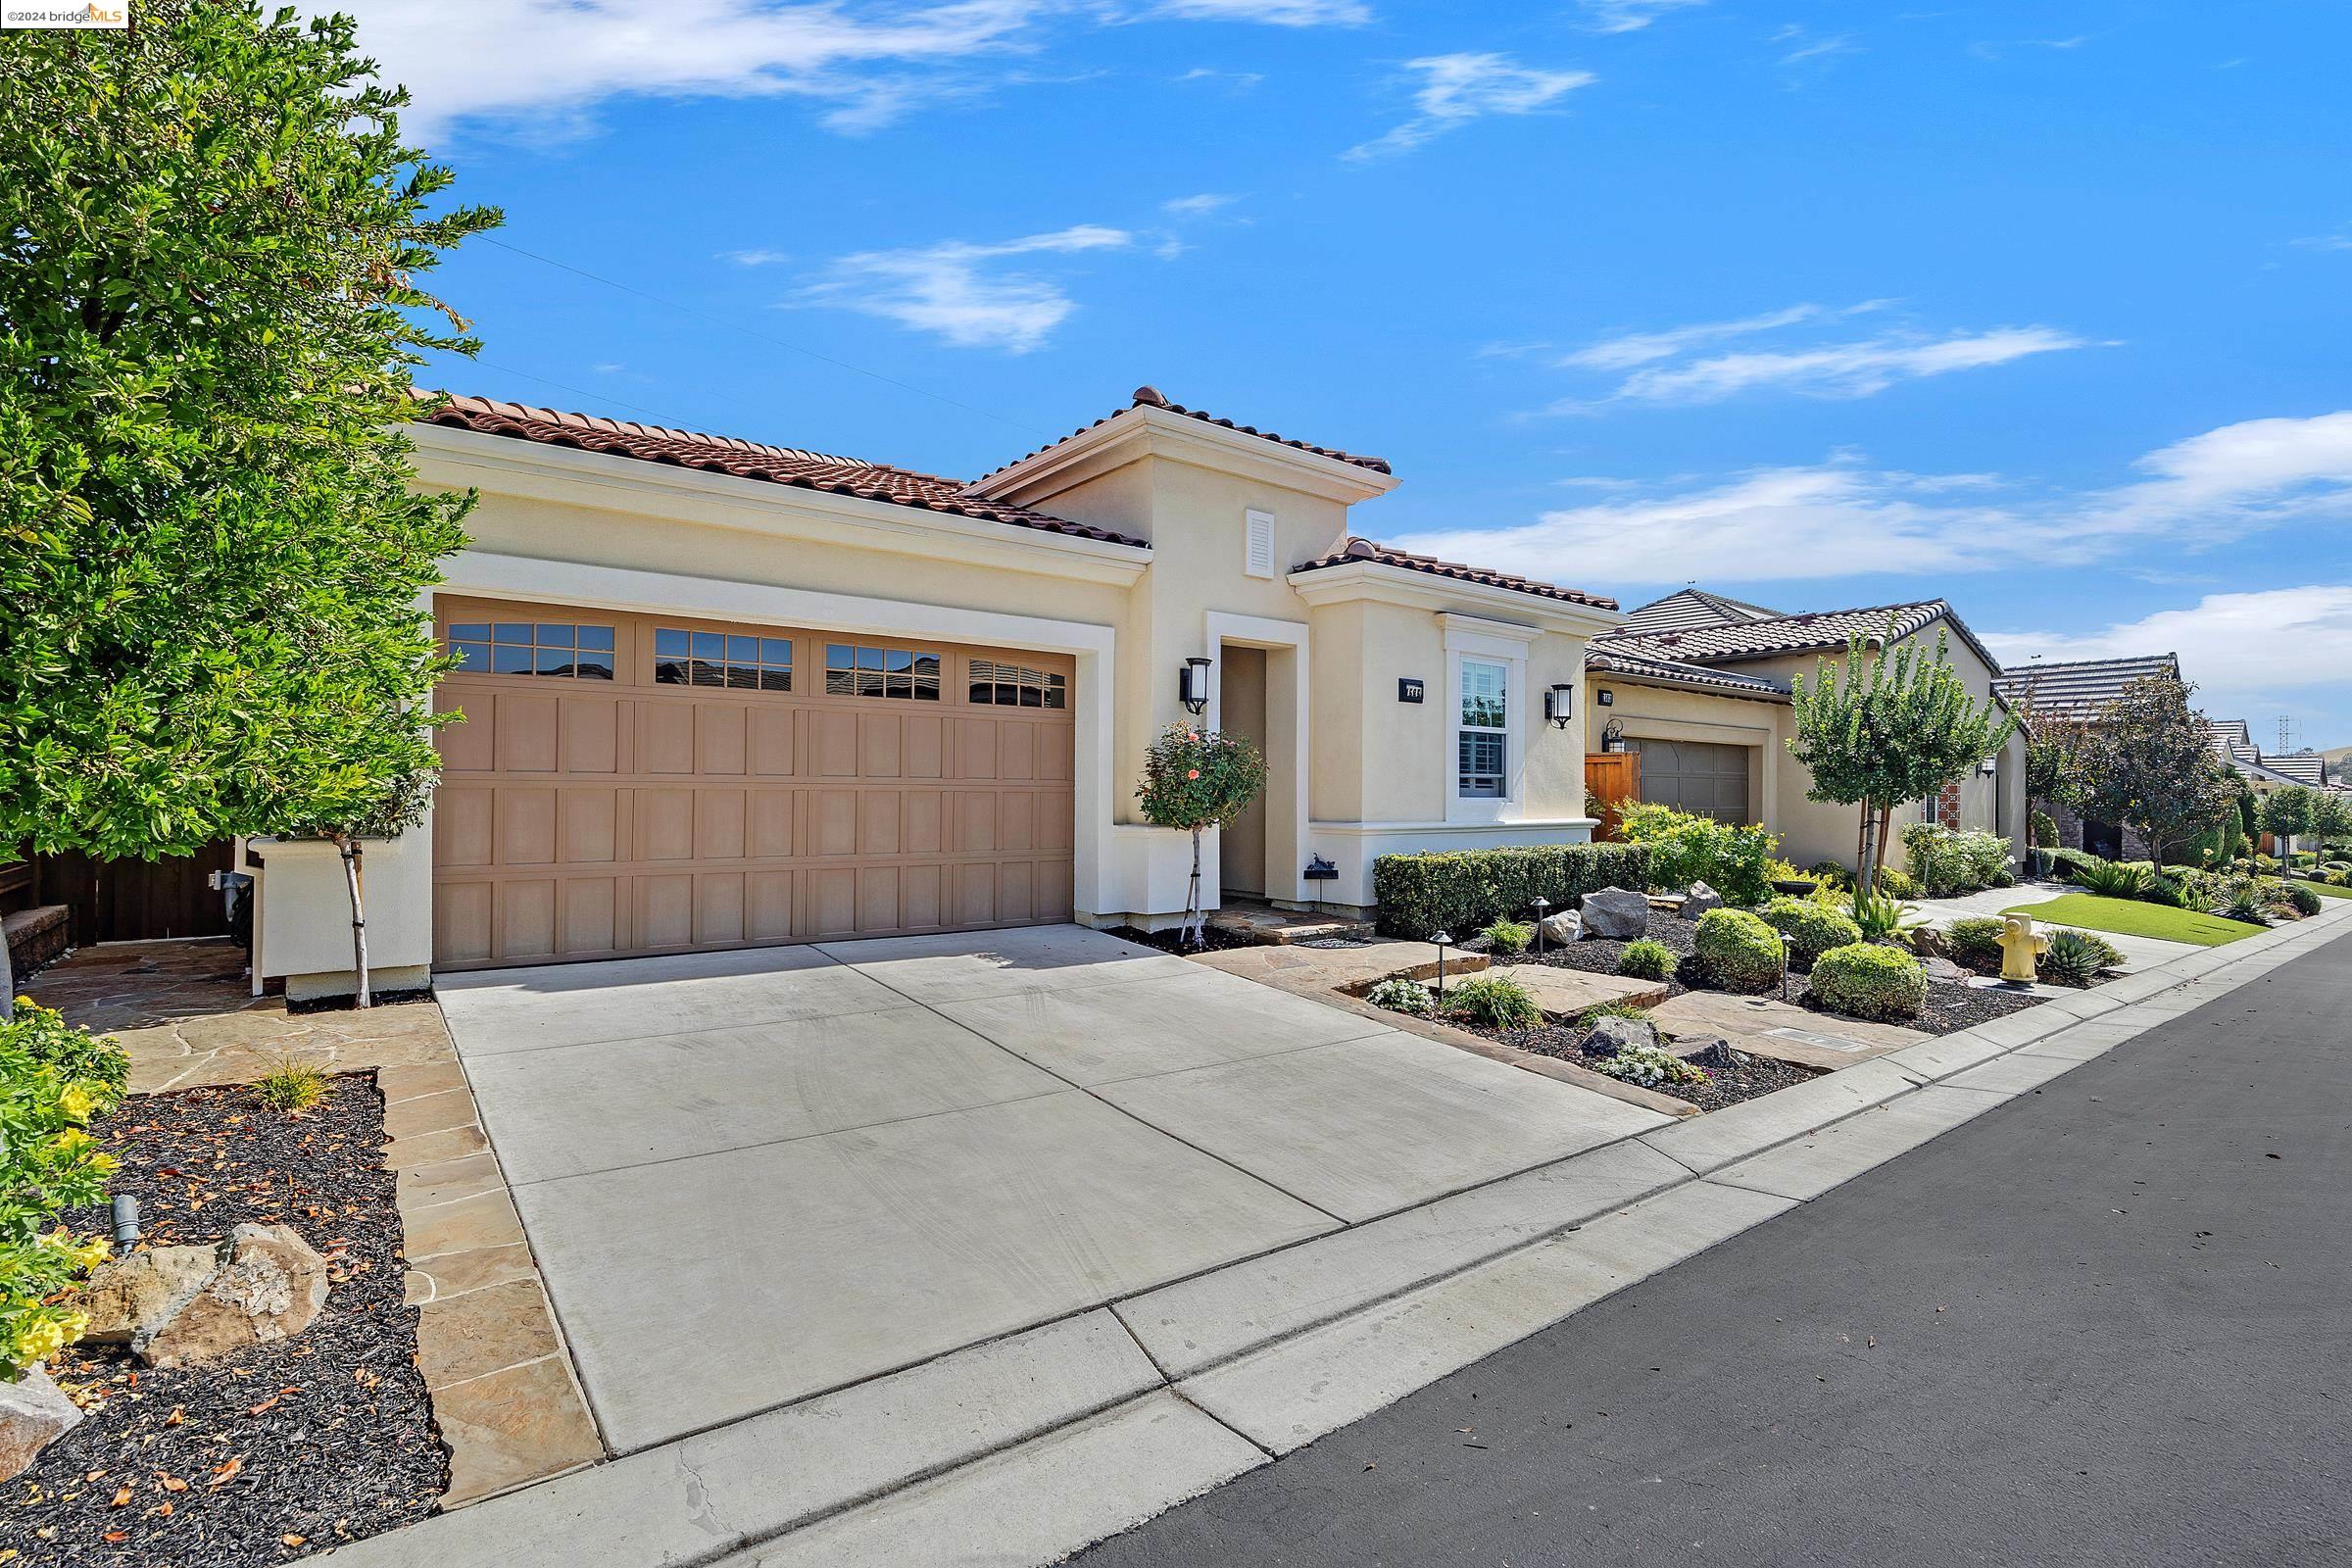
(1027, 1449)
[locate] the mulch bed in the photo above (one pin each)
(1726, 1084)
(1599, 956)
(1948, 1010)
(1174, 941)
(276, 1451)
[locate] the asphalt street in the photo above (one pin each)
(2107, 1323)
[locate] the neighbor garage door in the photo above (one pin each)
(629, 784)
(1695, 776)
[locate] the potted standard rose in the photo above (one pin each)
(1195, 779)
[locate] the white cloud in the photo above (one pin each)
(547, 64)
(1456, 90)
(1275, 13)
(1842, 519)
(2340, 240)
(1233, 80)
(948, 289)
(1630, 15)
(2233, 644)
(1802, 45)
(1857, 369)
(1662, 366)
(755, 258)
(1201, 206)
(1624, 352)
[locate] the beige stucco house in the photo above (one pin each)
(1698, 684)
(723, 694)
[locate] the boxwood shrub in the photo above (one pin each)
(1463, 891)
(1867, 980)
(1977, 939)
(1815, 927)
(1738, 950)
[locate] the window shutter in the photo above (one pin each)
(1257, 550)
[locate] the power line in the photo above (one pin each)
(765, 337)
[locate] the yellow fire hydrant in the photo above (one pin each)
(2021, 945)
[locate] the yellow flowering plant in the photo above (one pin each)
(55, 1079)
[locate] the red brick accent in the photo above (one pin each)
(1947, 806)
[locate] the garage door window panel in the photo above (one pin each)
(567, 648)
(733, 661)
(855, 669)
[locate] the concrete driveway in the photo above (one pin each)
(753, 1176)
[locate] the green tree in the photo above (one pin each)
(1195, 779)
(2150, 766)
(1886, 727)
(2288, 813)
(2332, 819)
(210, 309)
(2054, 746)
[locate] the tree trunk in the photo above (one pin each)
(1194, 925)
(1885, 823)
(1862, 877)
(358, 919)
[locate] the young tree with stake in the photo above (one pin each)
(1197, 779)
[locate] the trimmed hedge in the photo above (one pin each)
(1463, 891)
(1816, 927)
(1868, 981)
(1738, 950)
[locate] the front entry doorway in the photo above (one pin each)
(1242, 710)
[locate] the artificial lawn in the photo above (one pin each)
(2132, 918)
(2326, 890)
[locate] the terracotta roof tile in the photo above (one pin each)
(744, 460)
(1355, 549)
(1147, 397)
(1816, 631)
(1617, 656)
(1693, 606)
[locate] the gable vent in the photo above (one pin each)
(1258, 548)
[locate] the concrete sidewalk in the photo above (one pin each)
(1025, 1448)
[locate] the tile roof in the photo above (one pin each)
(2228, 733)
(1623, 658)
(1693, 606)
(2305, 767)
(1353, 550)
(1151, 397)
(1815, 631)
(744, 460)
(2077, 686)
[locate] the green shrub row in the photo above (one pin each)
(1686, 848)
(1945, 864)
(1463, 891)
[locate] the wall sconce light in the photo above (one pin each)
(1989, 766)
(1558, 707)
(1612, 736)
(1192, 686)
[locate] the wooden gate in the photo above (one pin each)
(1614, 779)
(136, 900)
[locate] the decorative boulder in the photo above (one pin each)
(269, 1286)
(1611, 1036)
(1615, 914)
(1943, 971)
(1699, 899)
(1717, 1053)
(184, 1305)
(144, 1287)
(32, 1415)
(1563, 928)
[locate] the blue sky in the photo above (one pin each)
(2044, 308)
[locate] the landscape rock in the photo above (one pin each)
(1611, 1036)
(1717, 1053)
(1943, 971)
(1615, 914)
(1563, 928)
(1699, 899)
(142, 1291)
(270, 1284)
(1931, 942)
(32, 1415)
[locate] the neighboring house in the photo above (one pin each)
(2080, 692)
(2305, 766)
(723, 694)
(1699, 685)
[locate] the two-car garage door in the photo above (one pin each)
(1696, 776)
(628, 784)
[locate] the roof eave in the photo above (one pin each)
(1393, 584)
(1145, 432)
